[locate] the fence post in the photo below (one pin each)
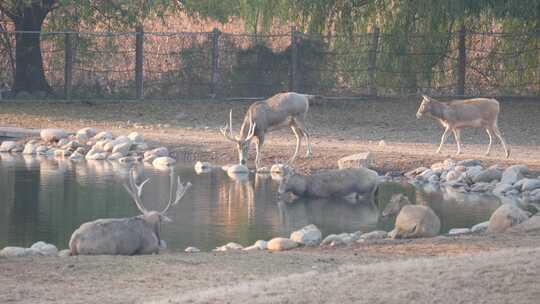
(215, 61)
(139, 62)
(372, 62)
(68, 65)
(462, 62)
(294, 61)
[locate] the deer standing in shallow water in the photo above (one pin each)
(127, 236)
(284, 109)
(468, 113)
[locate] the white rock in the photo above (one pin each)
(505, 217)
(481, 227)
(280, 244)
(309, 235)
(136, 137)
(122, 148)
(115, 156)
(163, 162)
(45, 249)
(64, 253)
(7, 146)
(332, 238)
(374, 235)
(192, 250)
(457, 231)
(30, 148)
(103, 135)
(531, 184)
(15, 252)
(359, 160)
(76, 156)
(229, 247)
(88, 132)
(49, 135)
(121, 140)
(513, 173)
(97, 156)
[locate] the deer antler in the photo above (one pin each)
(223, 130)
(180, 191)
(251, 130)
(135, 191)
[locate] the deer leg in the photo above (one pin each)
(499, 135)
(488, 131)
(258, 144)
(302, 126)
(458, 140)
(443, 139)
(297, 133)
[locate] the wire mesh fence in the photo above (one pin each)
(215, 64)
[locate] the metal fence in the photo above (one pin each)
(179, 65)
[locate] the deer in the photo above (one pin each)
(127, 236)
(329, 183)
(283, 109)
(467, 113)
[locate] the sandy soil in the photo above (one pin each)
(486, 269)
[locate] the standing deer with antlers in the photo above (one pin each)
(127, 236)
(284, 109)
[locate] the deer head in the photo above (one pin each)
(425, 106)
(155, 218)
(242, 143)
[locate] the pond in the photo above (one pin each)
(46, 199)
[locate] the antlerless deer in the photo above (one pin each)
(469, 113)
(284, 109)
(127, 236)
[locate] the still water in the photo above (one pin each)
(46, 199)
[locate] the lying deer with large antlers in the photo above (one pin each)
(284, 109)
(469, 113)
(127, 236)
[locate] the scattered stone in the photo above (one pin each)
(192, 250)
(452, 175)
(49, 135)
(87, 132)
(41, 150)
(513, 173)
(163, 162)
(115, 156)
(97, 156)
(501, 188)
(458, 231)
(481, 227)
(309, 236)
(15, 252)
(229, 247)
(122, 148)
(75, 156)
(530, 184)
(135, 137)
(64, 253)
(150, 156)
(416, 221)
(280, 244)
(374, 235)
(332, 238)
(103, 135)
(532, 224)
(506, 216)
(62, 153)
(483, 187)
(359, 160)
(487, 176)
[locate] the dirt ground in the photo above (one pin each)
(481, 268)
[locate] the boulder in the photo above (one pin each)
(482, 187)
(103, 135)
(15, 252)
(426, 175)
(458, 231)
(49, 135)
(506, 216)
(374, 235)
(122, 148)
(359, 160)
(42, 150)
(530, 184)
(7, 146)
(76, 156)
(309, 236)
(332, 239)
(135, 137)
(30, 148)
(62, 153)
(229, 247)
(416, 221)
(280, 244)
(87, 132)
(480, 227)
(532, 224)
(45, 249)
(150, 155)
(452, 175)
(415, 172)
(501, 188)
(513, 173)
(487, 176)
(163, 162)
(534, 195)
(115, 156)
(97, 156)
(192, 250)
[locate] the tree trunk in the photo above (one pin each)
(29, 74)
